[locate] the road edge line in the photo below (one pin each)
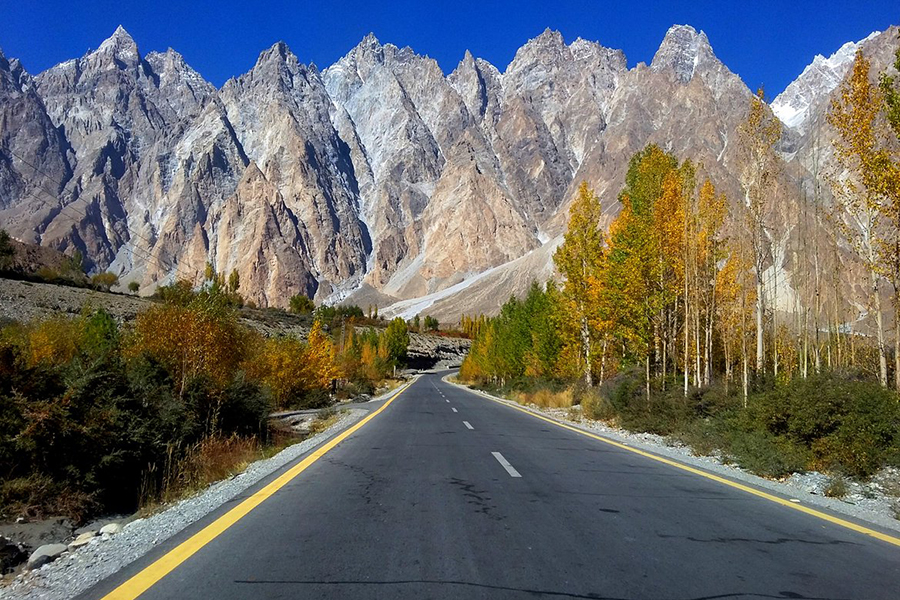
(150, 575)
(890, 539)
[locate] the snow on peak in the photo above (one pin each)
(816, 82)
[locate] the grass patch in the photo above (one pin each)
(545, 398)
(837, 487)
(325, 418)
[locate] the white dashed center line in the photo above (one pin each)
(454, 410)
(509, 468)
(467, 424)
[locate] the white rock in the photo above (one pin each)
(111, 528)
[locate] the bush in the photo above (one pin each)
(134, 287)
(846, 423)
(88, 421)
(837, 487)
(766, 454)
(104, 281)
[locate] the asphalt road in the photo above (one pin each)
(449, 495)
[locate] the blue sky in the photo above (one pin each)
(765, 42)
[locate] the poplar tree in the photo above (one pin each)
(579, 260)
(862, 192)
(759, 174)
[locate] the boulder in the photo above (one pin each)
(83, 539)
(110, 528)
(44, 554)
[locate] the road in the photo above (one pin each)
(445, 494)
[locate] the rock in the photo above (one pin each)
(83, 539)
(110, 528)
(11, 555)
(45, 554)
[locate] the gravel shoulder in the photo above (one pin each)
(78, 570)
(870, 503)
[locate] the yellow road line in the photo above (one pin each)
(745, 488)
(164, 565)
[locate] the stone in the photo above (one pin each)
(83, 539)
(110, 529)
(45, 554)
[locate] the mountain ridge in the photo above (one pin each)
(379, 178)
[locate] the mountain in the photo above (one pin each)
(803, 97)
(379, 180)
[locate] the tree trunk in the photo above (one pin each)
(586, 349)
(647, 373)
(879, 320)
(760, 332)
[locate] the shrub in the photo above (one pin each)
(847, 423)
(766, 454)
(104, 281)
(134, 287)
(837, 487)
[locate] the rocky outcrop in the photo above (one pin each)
(378, 180)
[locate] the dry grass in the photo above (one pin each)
(214, 459)
(206, 462)
(545, 398)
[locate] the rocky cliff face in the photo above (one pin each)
(378, 180)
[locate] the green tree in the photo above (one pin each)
(133, 287)
(431, 324)
(6, 250)
(300, 304)
(579, 259)
(395, 341)
(234, 282)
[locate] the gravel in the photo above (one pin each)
(77, 570)
(874, 502)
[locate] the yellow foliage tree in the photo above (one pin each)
(864, 193)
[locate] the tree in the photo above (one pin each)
(234, 282)
(579, 259)
(891, 249)
(862, 192)
(300, 304)
(320, 358)
(431, 324)
(395, 341)
(6, 250)
(759, 133)
(104, 281)
(133, 287)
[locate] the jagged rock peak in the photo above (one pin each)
(683, 49)
(818, 79)
(121, 46)
(278, 52)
